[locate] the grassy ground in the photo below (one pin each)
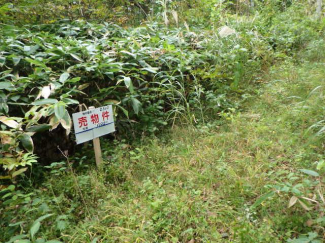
(219, 183)
(209, 184)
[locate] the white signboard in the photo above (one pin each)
(93, 123)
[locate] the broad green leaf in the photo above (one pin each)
(18, 172)
(302, 239)
(19, 223)
(312, 235)
(16, 60)
(41, 240)
(15, 97)
(76, 57)
(70, 101)
(45, 102)
(6, 85)
(110, 75)
(320, 164)
(74, 80)
(66, 122)
(44, 217)
(309, 172)
(61, 225)
(54, 122)
(16, 238)
(296, 190)
(112, 102)
(53, 241)
(22, 241)
(4, 108)
(2, 61)
(11, 188)
(37, 224)
(64, 77)
(129, 84)
(129, 53)
(59, 110)
(34, 229)
(27, 142)
(94, 240)
(9, 163)
(136, 105)
(35, 62)
(39, 128)
(262, 198)
(320, 220)
(27, 48)
(9, 122)
(150, 69)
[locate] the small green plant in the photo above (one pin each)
(311, 237)
(31, 236)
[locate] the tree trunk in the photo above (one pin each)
(252, 4)
(319, 8)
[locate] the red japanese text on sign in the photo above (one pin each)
(94, 118)
(83, 121)
(105, 115)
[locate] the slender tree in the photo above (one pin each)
(319, 5)
(252, 3)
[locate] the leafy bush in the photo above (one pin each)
(153, 75)
(150, 74)
(41, 11)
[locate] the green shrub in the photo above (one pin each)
(150, 74)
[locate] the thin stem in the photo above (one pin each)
(75, 180)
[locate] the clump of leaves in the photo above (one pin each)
(152, 75)
(149, 76)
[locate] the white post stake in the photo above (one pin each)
(97, 149)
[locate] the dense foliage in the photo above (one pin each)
(153, 75)
(161, 73)
(204, 12)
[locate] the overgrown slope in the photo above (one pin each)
(229, 183)
(241, 155)
(154, 76)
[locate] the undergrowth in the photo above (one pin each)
(228, 182)
(241, 156)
